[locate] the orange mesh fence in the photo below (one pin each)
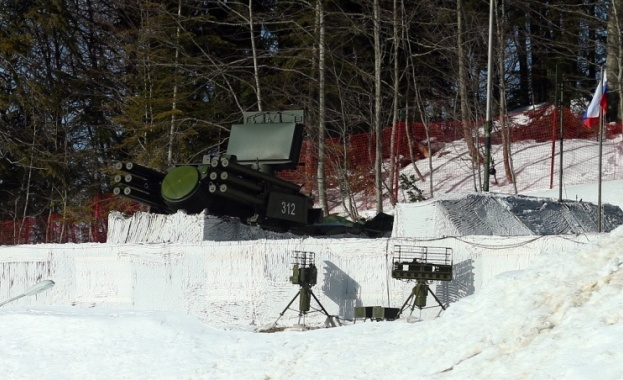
(58, 229)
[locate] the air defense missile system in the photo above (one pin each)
(240, 183)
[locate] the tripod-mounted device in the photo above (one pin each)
(305, 274)
(423, 265)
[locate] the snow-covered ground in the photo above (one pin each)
(559, 317)
(535, 170)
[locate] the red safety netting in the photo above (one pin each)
(90, 224)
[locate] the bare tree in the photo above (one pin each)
(476, 158)
(506, 143)
(256, 73)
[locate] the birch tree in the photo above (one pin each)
(501, 60)
(322, 191)
(475, 156)
(378, 160)
(396, 100)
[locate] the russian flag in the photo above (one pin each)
(591, 116)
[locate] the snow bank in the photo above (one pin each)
(145, 227)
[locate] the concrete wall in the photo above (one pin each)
(247, 283)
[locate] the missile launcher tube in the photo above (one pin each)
(140, 183)
(239, 182)
(137, 197)
(143, 171)
(234, 167)
(137, 193)
(239, 196)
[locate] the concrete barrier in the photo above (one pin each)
(246, 283)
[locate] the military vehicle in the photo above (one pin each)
(242, 182)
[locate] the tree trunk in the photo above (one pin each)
(418, 107)
(506, 143)
(174, 101)
(378, 175)
(25, 187)
(614, 60)
(475, 156)
(256, 73)
(418, 101)
(393, 168)
(322, 192)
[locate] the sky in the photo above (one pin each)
(560, 317)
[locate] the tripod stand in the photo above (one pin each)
(418, 294)
(305, 295)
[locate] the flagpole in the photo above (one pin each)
(601, 133)
(562, 111)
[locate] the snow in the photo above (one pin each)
(532, 162)
(555, 313)
(561, 317)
